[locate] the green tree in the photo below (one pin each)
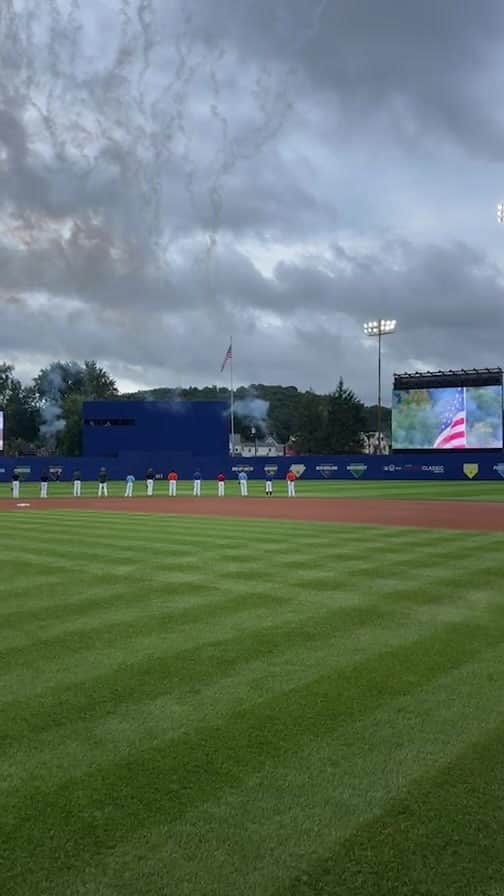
(62, 387)
(312, 424)
(22, 418)
(346, 421)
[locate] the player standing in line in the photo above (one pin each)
(197, 484)
(269, 484)
(291, 484)
(172, 484)
(44, 479)
(15, 484)
(243, 479)
(77, 484)
(102, 483)
(149, 478)
(221, 480)
(130, 481)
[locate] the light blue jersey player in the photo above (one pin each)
(243, 480)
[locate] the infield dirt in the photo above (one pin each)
(462, 515)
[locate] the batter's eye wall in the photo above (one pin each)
(115, 427)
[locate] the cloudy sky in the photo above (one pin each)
(176, 171)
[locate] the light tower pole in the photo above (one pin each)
(380, 328)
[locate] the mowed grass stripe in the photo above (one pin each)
(172, 778)
(137, 712)
(110, 603)
(177, 596)
(258, 838)
(143, 717)
(175, 658)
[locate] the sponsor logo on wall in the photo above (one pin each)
(357, 470)
(243, 468)
(433, 468)
(499, 468)
(392, 468)
(298, 469)
(326, 470)
(23, 471)
(55, 473)
(271, 469)
(471, 470)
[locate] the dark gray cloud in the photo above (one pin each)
(174, 173)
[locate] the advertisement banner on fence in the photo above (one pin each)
(327, 470)
(297, 469)
(357, 470)
(24, 471)
(471, 470)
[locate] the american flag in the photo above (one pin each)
(454, 423)
(228, 356)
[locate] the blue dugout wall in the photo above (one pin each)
(439, 467)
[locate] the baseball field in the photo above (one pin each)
(290, 704)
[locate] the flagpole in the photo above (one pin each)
(231, 397)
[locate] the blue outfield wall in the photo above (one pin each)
(441, 467)
(111, 428)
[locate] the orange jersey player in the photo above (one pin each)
(291, 484)
(172, 484)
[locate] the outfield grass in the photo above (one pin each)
(205, 707)
(424, 491)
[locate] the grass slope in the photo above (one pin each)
(423, 491)
(212, 707)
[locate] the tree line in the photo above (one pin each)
(45, 416)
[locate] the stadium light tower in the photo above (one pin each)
(380, 328)
(500, 213)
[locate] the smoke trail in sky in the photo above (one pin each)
(116, 120)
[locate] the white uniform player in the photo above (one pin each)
(15, 485)
(77, 484)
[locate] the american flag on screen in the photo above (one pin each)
(454, 423)
(227, 357)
